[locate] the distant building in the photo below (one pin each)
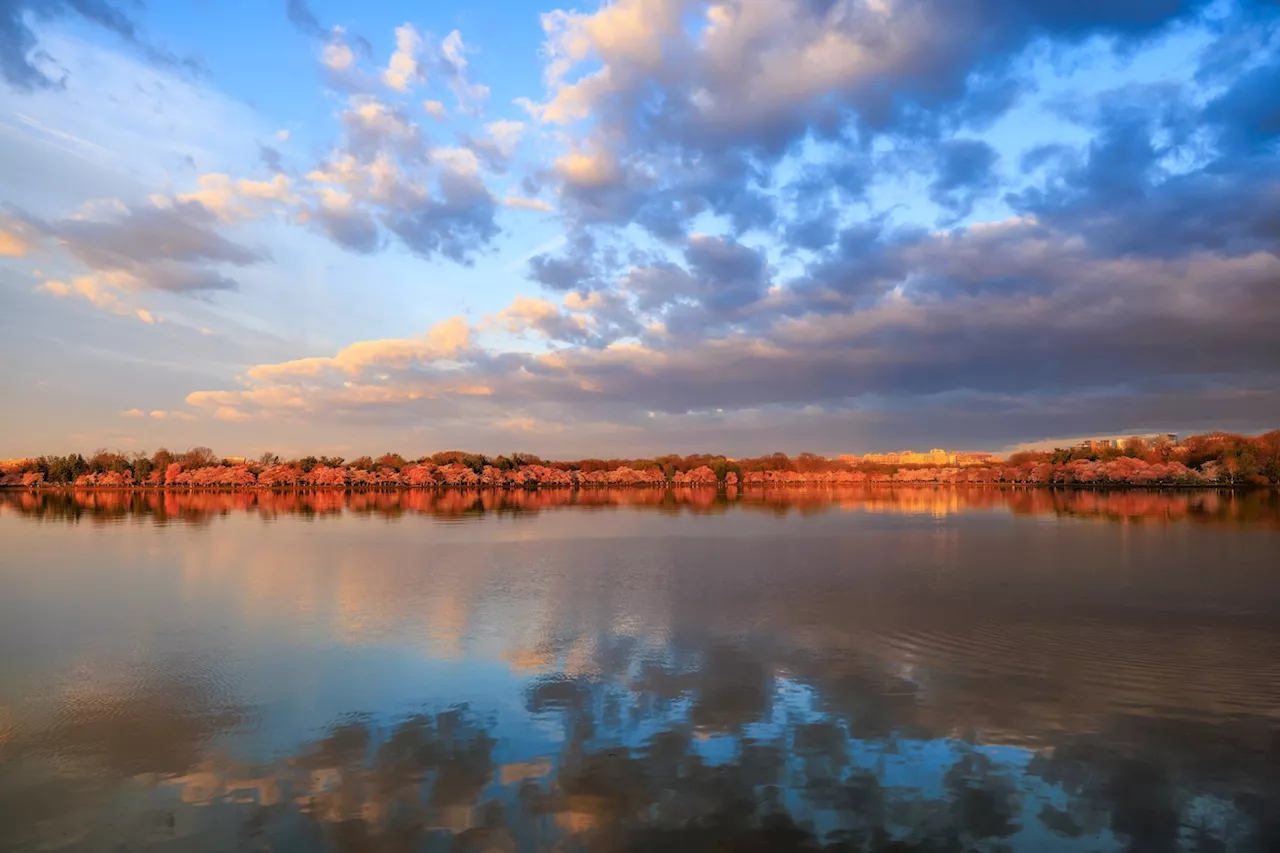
(1097, 445)
(233, 460)
(936, 456)
(964, 459)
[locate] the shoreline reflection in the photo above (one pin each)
(1213, 506)
(884, 669)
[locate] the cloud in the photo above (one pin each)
(299, 14)
(456, 221)
(164, 244)
(16, 239)
(25, 65)
(270, 158)
(496, 148)
(543, 317)
(761, 206)
(403, 70)
(234, 200)
(340, 59)
(733, 275)
(999, 327)
(965, 173)
(505, 135)
(452, 62)
(668, 119)
(162, 415)
(444, 340)
(133, 413)
(513, 201)
(433, 200)
(582, 267)
(372, 126)
(337, 57)
(351, 227)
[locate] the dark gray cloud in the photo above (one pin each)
(176, 278)
(719, 278)
(183, 231)
(731, 275)
(1122, 195)
(965, 173)
(563, 273)
(658, 285)
(170, 247)
(352, 228)
(1140, 274)
(270, 158)
(584, 266)
(1247, 115)
(303, 20)
(456, 223)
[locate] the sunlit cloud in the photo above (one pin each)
(745, 212)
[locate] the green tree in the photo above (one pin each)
(142, 467)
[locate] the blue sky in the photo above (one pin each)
(829, 225)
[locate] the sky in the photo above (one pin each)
(646, 226)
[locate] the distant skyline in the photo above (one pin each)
(840, 226)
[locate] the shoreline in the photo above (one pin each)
(596, 487)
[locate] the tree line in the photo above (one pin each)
(1213, 458)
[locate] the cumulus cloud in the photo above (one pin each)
(340, 62)
(583, 266)
(995, 324)
(234, 200)
(749, 192)
(385, 181)
(457, 221)
(372, 126)
(337, 57)
(672, 120)
(403, 70)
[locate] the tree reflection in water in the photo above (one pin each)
(1257, 506)
(756, 708)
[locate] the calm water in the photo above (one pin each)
(927, 669)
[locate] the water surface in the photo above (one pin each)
(885, 668)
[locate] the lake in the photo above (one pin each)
(884, 668)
